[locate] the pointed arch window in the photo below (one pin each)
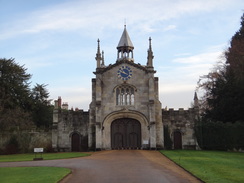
(125, 95)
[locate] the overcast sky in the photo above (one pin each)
(56, 40)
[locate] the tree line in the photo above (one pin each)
(221, 124)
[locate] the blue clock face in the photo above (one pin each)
(124, 73)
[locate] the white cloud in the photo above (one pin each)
(75, 96)
(200, 58)
(182, 54)
(179, 80)
(170, 27)
(189, 68)
(180, 99)
(197, 65)
(171, 87)
(35, 63)
(93, 17)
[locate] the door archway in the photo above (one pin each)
(75, 142)
(125, 134)
(177, 140)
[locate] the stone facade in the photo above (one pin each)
(125, 111)
(180, 124)
(104, 107)
(69, 128)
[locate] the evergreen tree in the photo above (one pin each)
(14, 82)
(235, 54)
(14, 95)
(42, 110)
(20, 106)
(224, 87)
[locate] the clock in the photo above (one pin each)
(124, 73)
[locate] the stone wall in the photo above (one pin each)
(25, 141)
(181, 122)
(66, 124)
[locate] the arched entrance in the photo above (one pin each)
(125, 134)
(177, 140)
(75, 142)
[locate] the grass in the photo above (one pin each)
(46, 156)
(35, 174)
(210, 166)
(32, 174)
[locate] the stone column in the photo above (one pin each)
(98, 136)
(92, 118)
(152, 135)
(98, 112)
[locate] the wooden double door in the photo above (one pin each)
(126, 134)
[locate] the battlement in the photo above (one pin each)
(179, 117)
(172, 111)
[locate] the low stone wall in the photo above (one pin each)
(25, 141)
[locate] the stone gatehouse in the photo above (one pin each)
(125, 111)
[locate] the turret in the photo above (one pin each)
(125, 47)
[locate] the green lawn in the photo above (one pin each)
(210, 166)
(35, 174)
(46, 156)
(32, 174)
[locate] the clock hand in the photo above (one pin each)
(124, 72)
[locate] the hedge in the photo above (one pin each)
(220, 136)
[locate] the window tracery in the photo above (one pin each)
(125, 95)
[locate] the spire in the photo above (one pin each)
(196, 106)
(102, 59)
(196, 103)
(125, 40)
(195, 96)
(98, 46)
(98, 55)
(150, 54)
(125, 46)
